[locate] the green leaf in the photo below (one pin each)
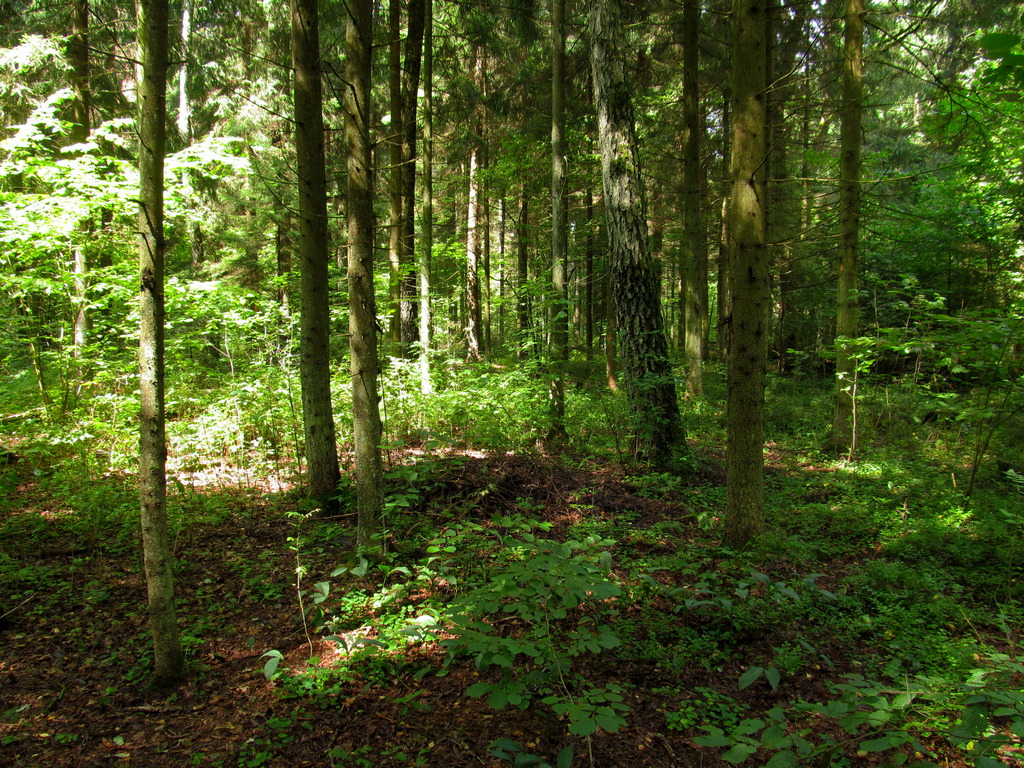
(739, 752)
(877, 745)
(586, 726)
(782, 760)
(564, 759)
(275, 658)
(478, 689)
(497, 699)
(989, 762)
(771, 674)
(747, 678)
(996, 43)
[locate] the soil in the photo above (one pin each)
(74, 681)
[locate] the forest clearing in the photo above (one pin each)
(432, 383)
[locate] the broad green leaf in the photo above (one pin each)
(747, 678)
(771, 674)
(478, 689)
(782, 760)
(564, 759)
(739, 752)
(996, 43)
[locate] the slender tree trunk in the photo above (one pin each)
(748, 266)
(559, 227)
(362, 308)
(169, 661)
(314, 255)
(395, 132)
(643, 349)
(724, 246)
(694, 299)
(473, 240)
(588, 286)
(410, 89)
(427, 235)
(78, 50)
(844, 425)
(523, 276)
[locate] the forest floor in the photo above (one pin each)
(75, 655)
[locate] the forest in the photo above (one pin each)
(444, 383)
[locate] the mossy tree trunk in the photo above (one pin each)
(749, 277)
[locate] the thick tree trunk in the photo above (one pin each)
(314, 255)
(169, 661)
(559, 228)
(748, 267)
(844, 423)
(695, 296)
(643, 350)
(362, 308)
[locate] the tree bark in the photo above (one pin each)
(844, 425)
(473, 244)
(695, 295)
(643, 349)
(407, 311)
(427, 235)
(314, 255)
(523, 277)
(559, 228)
(362, 309)
(169, 661)
(78, 50)
(748, 267)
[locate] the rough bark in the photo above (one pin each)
(748, 267)
(523, 277)
(169, 661)
(362, 310)
(844, 426)
(643, 349)
(473, 246)
(314, 255)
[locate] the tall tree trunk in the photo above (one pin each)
(362, 308)
(169, 661)
(523, 277)
(78, 50)
(724, 246)
(473, 243)
(748, 267)
(559, 227)
(427, 235)
(588, 286)
(695, 297)
(409, 330)
(643, 349)
(314, 255)
(395, 133)
(844, 423)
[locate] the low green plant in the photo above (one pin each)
(558, 595)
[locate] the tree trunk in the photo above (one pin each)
(748, 267)
(695, 296)
(844, 423)
(169, 661)
(559, 228)
(523, 277)
(395, 133)
(473, 240)
(362, 308)
(427, 235)
(314, 255)
(409, 327)
(78, 52)
(643, 350)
